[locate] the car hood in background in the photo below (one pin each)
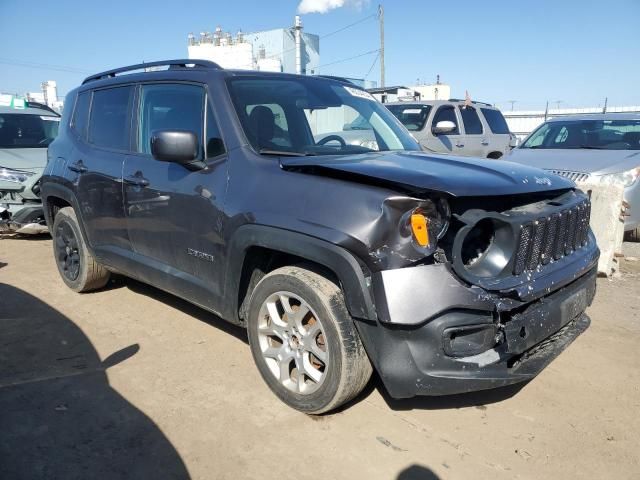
(598, 162)
(458, 176)
(28, 159)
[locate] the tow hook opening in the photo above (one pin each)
(469, 340)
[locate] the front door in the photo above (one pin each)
(445, 142)
(174, 214)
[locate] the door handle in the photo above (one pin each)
(138, 180)
(485, 142)
(459, 145)
(77, 167)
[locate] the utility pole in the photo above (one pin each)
(546, 111)
(512, 102)
(381, 18)
(604, 110)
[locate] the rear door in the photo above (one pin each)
(446, 142)
(475, 138)
(101, 126)
(174, 214)
(499, 138)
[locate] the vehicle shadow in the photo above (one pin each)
(59, 417)
(462, 400)
(417, 472)
(183, 306)
(441, 402)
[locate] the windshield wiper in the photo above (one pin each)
(282, 153)
(593, 147)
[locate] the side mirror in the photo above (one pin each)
(445, 126)
(514, 141)
(178, 146)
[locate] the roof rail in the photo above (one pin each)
(172, 64)
(472, 101)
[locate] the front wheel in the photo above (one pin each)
(304, 342)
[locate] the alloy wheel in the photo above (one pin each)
(292, 342)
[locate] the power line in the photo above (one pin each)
(347, 59)
(373, 65)
(44, 66)
(362, 20)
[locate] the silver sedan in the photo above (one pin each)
(596, 148)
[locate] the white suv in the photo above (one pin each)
(451, 126)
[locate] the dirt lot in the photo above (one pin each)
(132, 382)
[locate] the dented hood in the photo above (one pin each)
(457, 176)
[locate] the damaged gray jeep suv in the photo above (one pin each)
(444, 274)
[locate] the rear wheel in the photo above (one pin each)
(304, 342)
(76, 265)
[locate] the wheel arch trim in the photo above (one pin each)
(342, 263)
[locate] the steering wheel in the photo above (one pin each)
(331, 138)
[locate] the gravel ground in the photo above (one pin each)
(130, 382)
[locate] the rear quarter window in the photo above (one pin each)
(495, 120)
(80, 118)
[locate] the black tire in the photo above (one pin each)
(77, 267)
(632, 235)
(347, 369)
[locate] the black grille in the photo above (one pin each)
(552, 237)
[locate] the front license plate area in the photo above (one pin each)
(544, 318)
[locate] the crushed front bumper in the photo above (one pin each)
(479, 341)
(26, 219)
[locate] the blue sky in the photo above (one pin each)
(576, 51)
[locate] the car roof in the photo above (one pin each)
(418, 103)
(596, 116)
(28, 110)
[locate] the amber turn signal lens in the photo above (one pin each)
(419, 229)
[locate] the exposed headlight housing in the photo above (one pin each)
(14, 176)
(626, 179)
(408, 230)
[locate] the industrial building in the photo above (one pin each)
(422, 91)
(47, 96)
(289, 50)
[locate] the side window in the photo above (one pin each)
(109, 122)
(446, 113)
(214, 143)
(268, 124)
(496, 121)
(80, 117)
(169, 107)
(472, 124)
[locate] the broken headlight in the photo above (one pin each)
(409, 230)
(626, 179)
(14, 176)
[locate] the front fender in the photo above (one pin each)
(344, 265)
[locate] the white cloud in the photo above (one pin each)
(323, 6)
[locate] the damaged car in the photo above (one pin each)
(26, 130)
(444, 274)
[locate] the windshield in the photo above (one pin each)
(311, 116)
(413, 117)
(23, 130)
(588, 134)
